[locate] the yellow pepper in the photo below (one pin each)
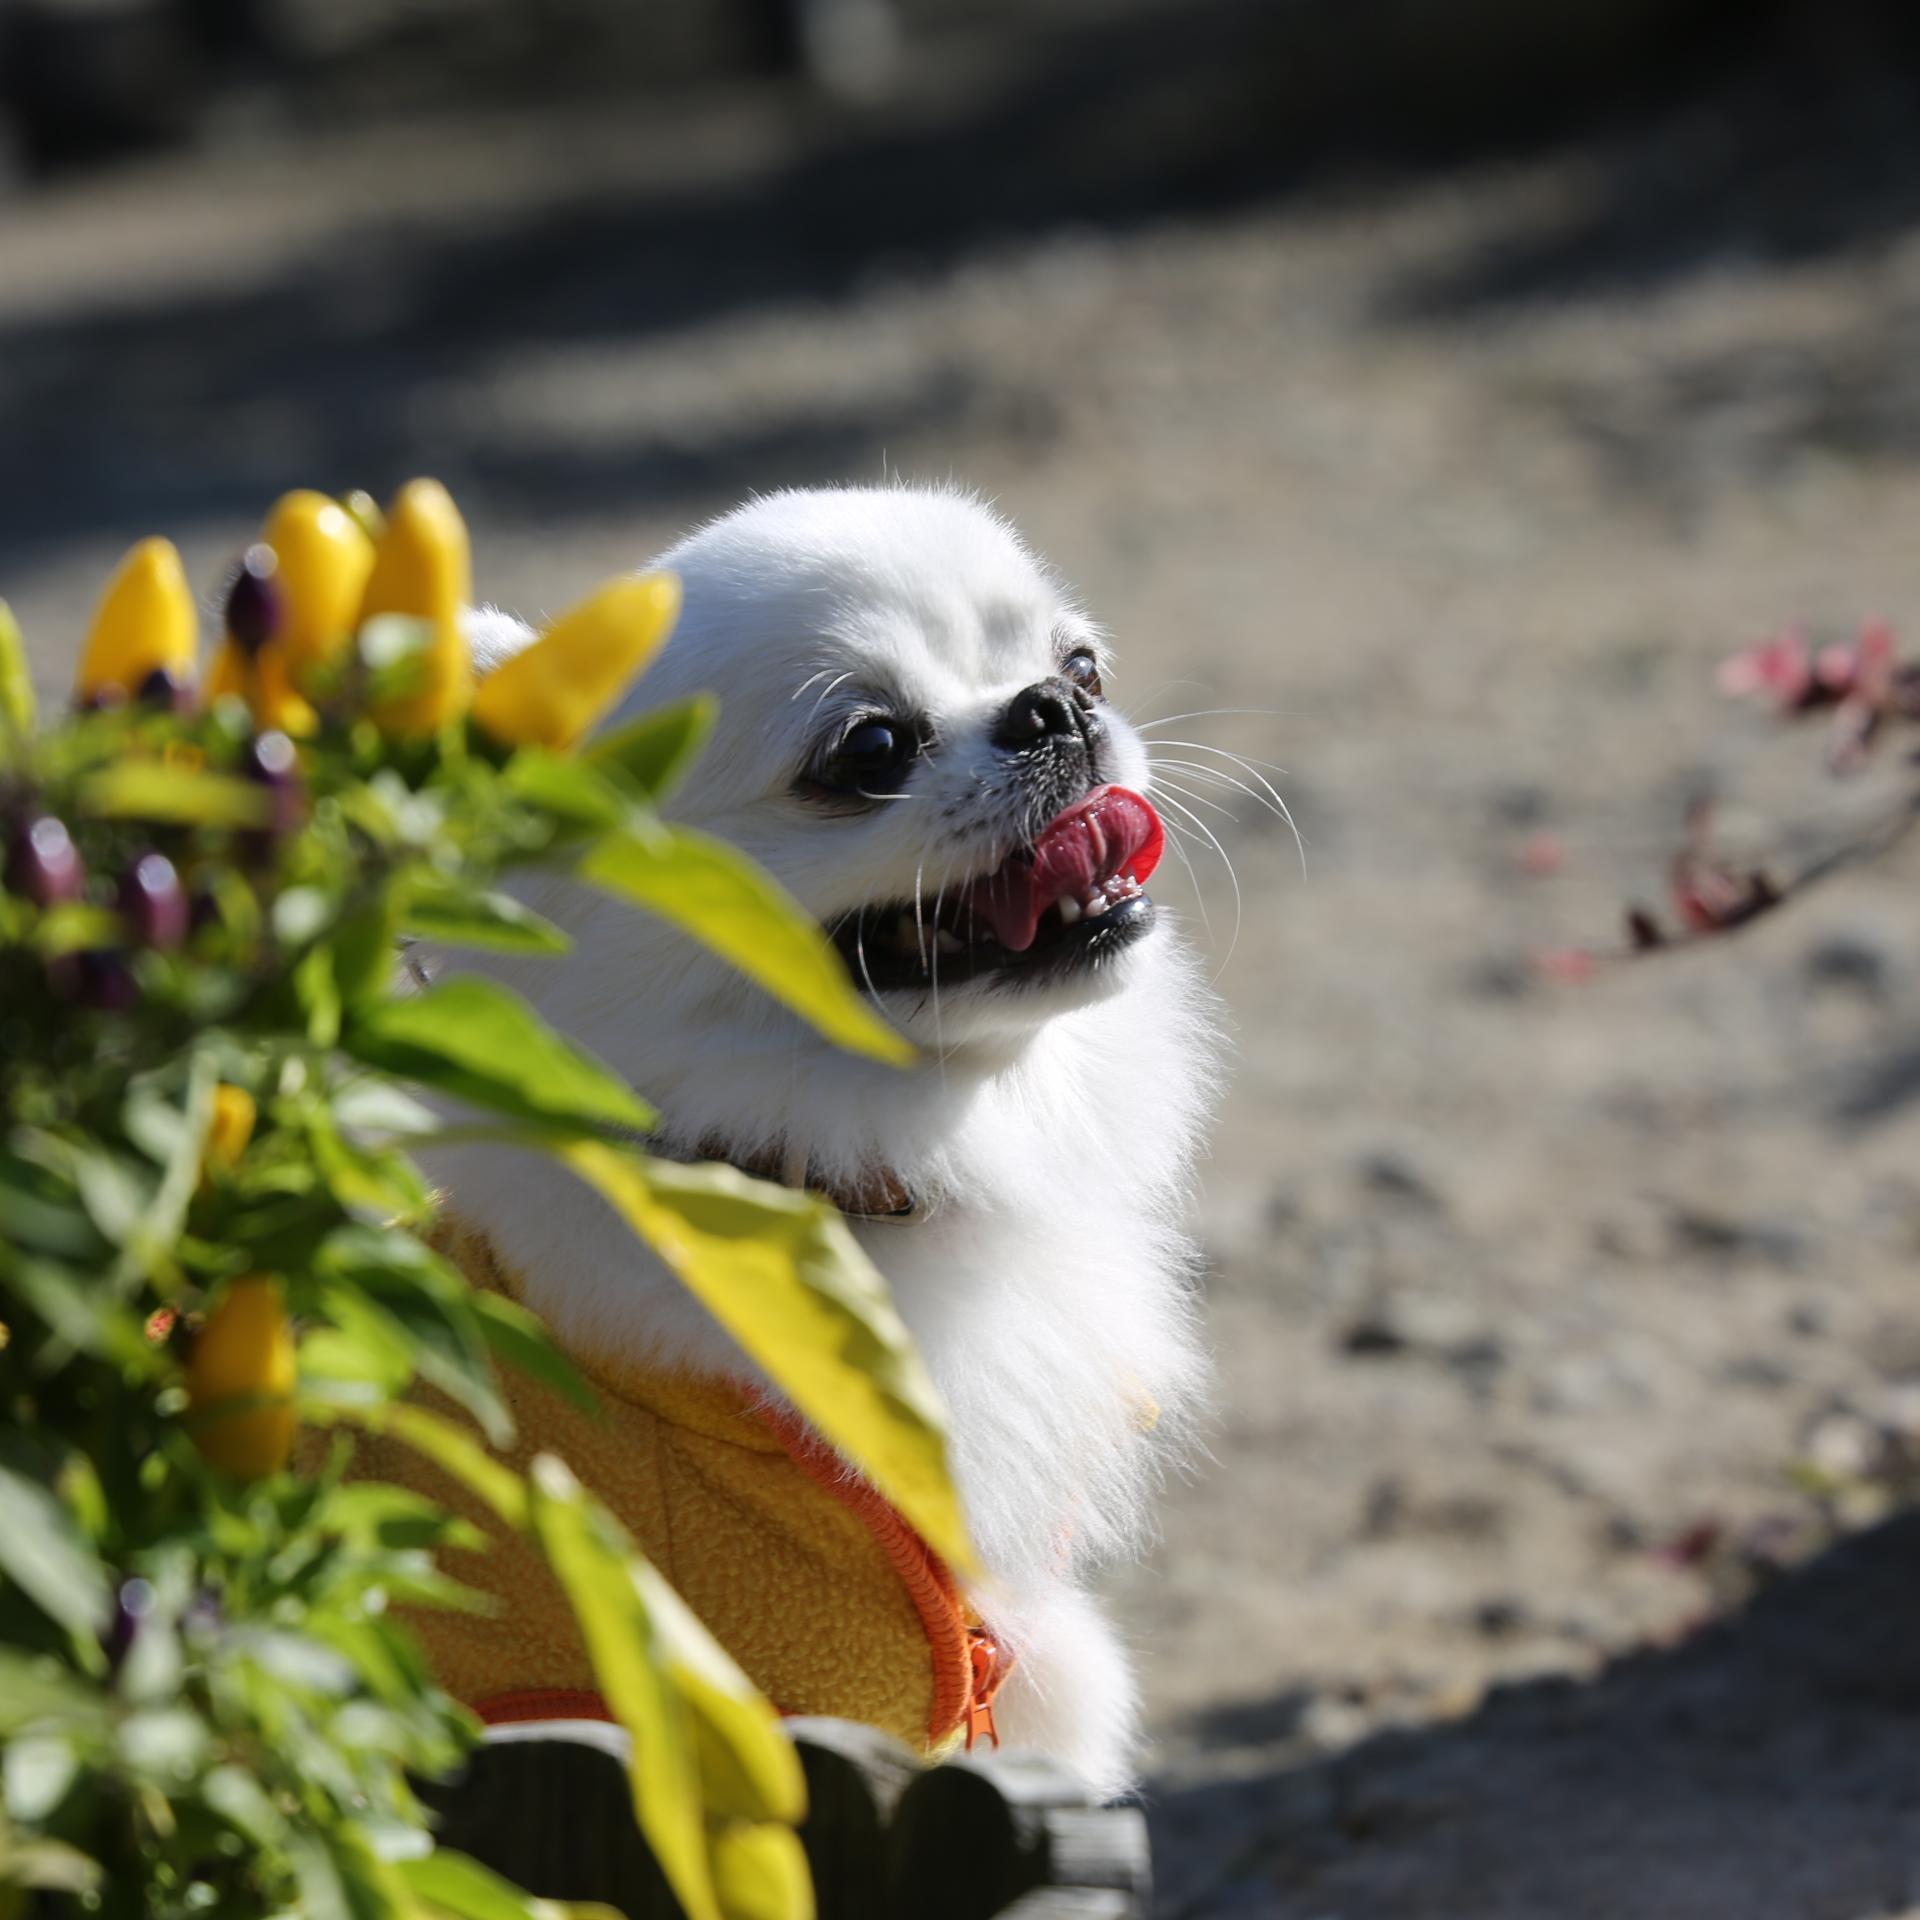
(423, 568)
(228, 676)
(274, 701)
(234, 1113)
(552, 694)
(325, 557)
(264, 684)
(146, 623)
(240, 1378)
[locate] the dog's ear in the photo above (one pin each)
(494, 635)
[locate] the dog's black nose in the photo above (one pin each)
(1038, 713)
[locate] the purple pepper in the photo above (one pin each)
(96, 977)
(272, 761)
(167, 690)
(44, 865)
(255, 605)
(131, 1605)
(153, 903)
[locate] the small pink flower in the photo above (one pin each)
(1780, 669)
(1571, 966)
(1542, 855)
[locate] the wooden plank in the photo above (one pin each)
(855, 1775)
(984, 1837)
(555, 1816)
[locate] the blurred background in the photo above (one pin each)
(1427, 395)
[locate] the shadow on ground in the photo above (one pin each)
(1794, 1726)
(201, 404)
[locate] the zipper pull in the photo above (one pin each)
(991, 1665)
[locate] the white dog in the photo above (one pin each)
(914, 738)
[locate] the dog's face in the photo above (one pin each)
(915, 738)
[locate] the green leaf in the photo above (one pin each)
(37, 1690)
(454, 1884)
(240, 1800)
(518, 1339)
(653, 753)
(476, 1040)
(440, 908)
(429, 1308)
(16, 682)
(783, 1274)
(158, 790)
(568, 789)
(453, 1451)
(50, 1866)
(728, 904)
(170, 1742)
(630, 1664)
(373, 1513)
(38, 1209)
(370, 1105)
(44, 1554)
(80, 1313)
(36, 1770)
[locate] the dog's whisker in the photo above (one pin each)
(812, 679)
(1176, 839)
(1213, 776)
(1199, 800)
(1226, 860)
(1248, 761)
(860, 948)
(1251, 769)
(1204, 713)
(826, 693)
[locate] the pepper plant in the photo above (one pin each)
(211, 1073)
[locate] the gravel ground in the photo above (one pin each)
(1534, 1300)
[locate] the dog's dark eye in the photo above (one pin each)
(1083, 670)
(870, 756)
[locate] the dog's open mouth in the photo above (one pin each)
(1072, 898)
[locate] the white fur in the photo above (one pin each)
(1051, 1131)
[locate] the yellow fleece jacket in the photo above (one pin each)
(824, 1596)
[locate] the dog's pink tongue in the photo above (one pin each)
(1112, 831)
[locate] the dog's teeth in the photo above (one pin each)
(1094, 905)
(1069, 909)
(947, 942)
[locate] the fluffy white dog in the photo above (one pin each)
(914, 738)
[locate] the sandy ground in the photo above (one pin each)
(1529, 1297)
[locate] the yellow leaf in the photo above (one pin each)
(145, 624)
(554, 692)
(423, 569)
(760, 1872)
(741, 913)
(623, 1647)
(161, 790)
(748, 1768)
(16, 683)
(782, 1273)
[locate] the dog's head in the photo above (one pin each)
(914, 737)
